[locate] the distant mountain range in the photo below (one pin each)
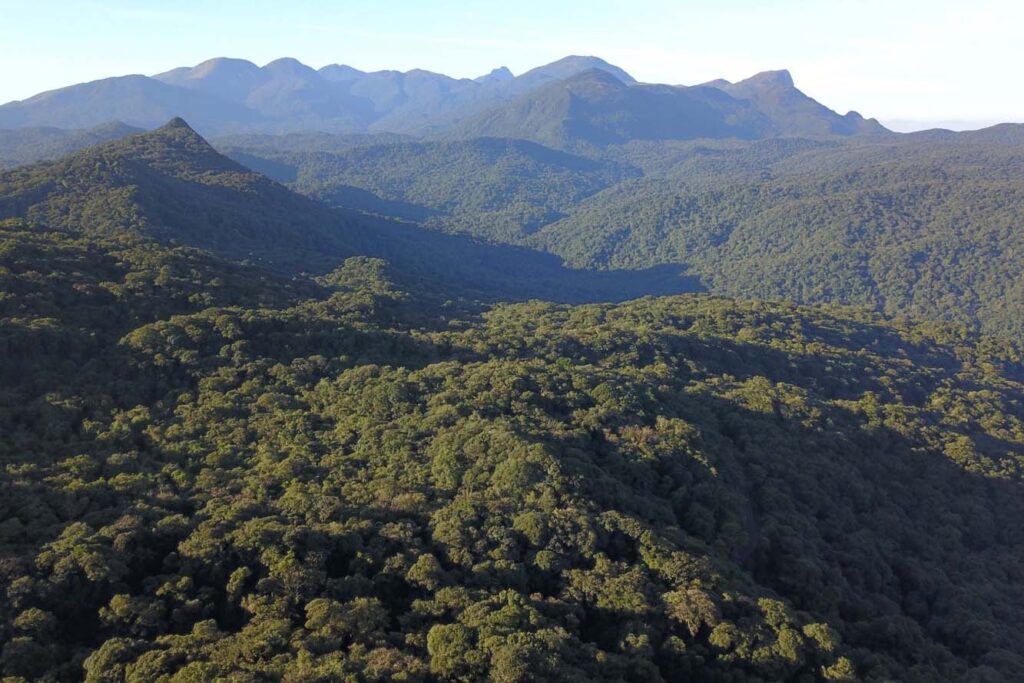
(573, 100)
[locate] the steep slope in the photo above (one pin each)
(499, 74)
(920, 224)
(171, 186)
(27, 145)
(792, 112)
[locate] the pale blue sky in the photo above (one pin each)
(909, 63)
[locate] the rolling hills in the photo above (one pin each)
(499, 189)
(555, 376)
(171, 186)
(252, 448)
(923, 225)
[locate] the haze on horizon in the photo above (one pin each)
(912, 64)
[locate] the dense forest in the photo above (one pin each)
(924, 225)
(247, 437)
(171, 185)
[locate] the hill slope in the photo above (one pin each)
(493, 188)
(923, 225)
(928, 229)
(171, 186)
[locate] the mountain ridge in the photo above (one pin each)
(224, 95)
(172, 186)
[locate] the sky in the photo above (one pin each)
(912, 64)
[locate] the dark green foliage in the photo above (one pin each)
(497, 189)
(214, 471)
(923, 225)
(671, 488)
(170, 185)
(926, 229)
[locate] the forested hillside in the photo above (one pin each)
(925, 225)
(932, 230)
(239, 444)
(494, 188)
(170, 185)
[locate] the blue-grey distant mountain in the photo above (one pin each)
(136, 100)
(568, 67)
(19, 146)
(502, 73)
(792, 112)
(596, 108)
(580, 97)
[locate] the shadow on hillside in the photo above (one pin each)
(858, 519)
(287, 233)
(854, 521)
(458, 266)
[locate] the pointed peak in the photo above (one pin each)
(177, 132)
(175, 147)
(502, 73)
(177, 123)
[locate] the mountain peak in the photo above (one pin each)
(574, 64)
(289, 66)
(502, 73)
(229, 63)
(177, 123)
(781, 77)
(176, 144)
(340, 73)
